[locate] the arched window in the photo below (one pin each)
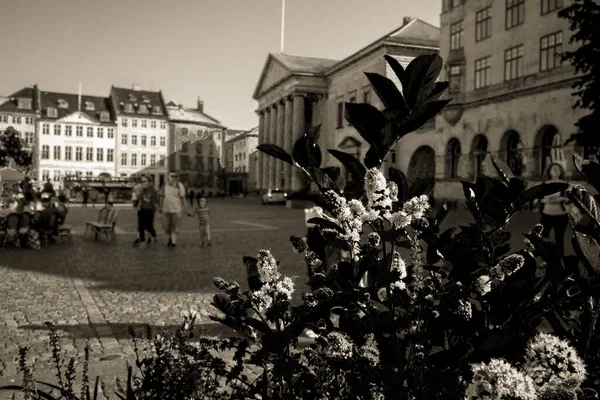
(514, 152)
(549, 148)
(453, 152)
(479, 150)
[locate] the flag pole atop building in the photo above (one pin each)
(282, 23)
(79, 98)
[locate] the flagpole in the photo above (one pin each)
(282, 24)
(79, 98)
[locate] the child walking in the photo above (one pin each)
(203, 214)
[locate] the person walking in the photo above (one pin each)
(554, 209)
(203, 214)
(191, 197)
(85, 194)
(147, 205)
(173, 203)
(135, 195)
(94, 197)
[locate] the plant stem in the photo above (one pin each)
(592, 328)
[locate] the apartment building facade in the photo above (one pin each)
(20, 110)
(238, 151)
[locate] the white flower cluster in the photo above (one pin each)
(273, 283)
(505, 267)
(369, 351)
(499, 380)
(339, 345)
(553, 363)
(397, 266)
(551, 366)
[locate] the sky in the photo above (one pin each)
(212, 49)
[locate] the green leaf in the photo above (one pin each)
(398, 177)
(540, 191)
(367, 120)
(332, 172)
(503, 171)
(397, 68)
(420, 116)
(277, 152)
(438, 89)
(325, 223)
(222, 302)
(387, 91)
(589, 169)
(442, 213)
(421, 75)
(372, 158)
(589, 249)
(322, 180)
(352, 165)
(314, 132)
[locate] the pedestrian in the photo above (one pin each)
(135, 194)
(203, 214)
(191, 197)
(85, 195)
(94, 197)
(147, 204)
(199, 195)
(554, 208)
(173, 202)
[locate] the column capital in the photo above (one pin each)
(260, 112)
(299, 94)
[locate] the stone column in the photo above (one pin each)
(261, 155)
(272, 140)
(297, 131)
(288, 142)
(279, 177)
(266, 159)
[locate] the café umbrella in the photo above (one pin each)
(11, 175)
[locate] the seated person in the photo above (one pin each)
(60, 205)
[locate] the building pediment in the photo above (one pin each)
(273, 73)
(77, 117)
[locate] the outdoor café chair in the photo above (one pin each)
(64, 230)
(49, 227)
(107, 220)
(10, 228)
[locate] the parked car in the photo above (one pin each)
(274, 196)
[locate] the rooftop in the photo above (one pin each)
(12, 102)
(177, 113)
(67, 104)
(131, 102)
(243, 134)
(298, 64)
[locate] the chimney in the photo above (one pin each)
(137, 87)
(406, 20)
(200, 105)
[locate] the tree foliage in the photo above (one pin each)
(11, 150)
(584, 19)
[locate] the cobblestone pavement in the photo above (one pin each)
(93, 291)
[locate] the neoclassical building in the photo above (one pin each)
(295, 93)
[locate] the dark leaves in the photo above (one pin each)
(325, 223)
(540, 191)
(367, 120)
(421, 75)
(388, 92)
(399, 179)
(421, 186)
(332, 172)
(353, 166)
(420, 116)
(307, 153)
(503, 171)
(438, 90)
(322, 180)
(589, 169)
(589, 250)
(277, 152)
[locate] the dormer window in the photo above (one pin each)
(156, 110)
(24, 104)
(132, 97)
(145, 99)
(128, 108)
(104, 116)
(89, 106)
(51, 112)
(62, 103)
(143, 109)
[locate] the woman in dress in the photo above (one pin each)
(554, 208)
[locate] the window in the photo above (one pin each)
(152, 159)
(89, 154)
(143, 109)
(550, 50)
(549, 6)
(515, 13)
(143, 160)
(51, 112)
(340, 114)
(513, 63)
(100, 154)
(79, 154)
(100, 132)
(88, 174)
(482, 72)
(144, 123)
(68, 130)
(29, 138)
(453, 152)
(56, 130)
(56, 152)
(456, 35)
(153, 124)
(198, 147)
(68, 153)
(4, 118)
(152, 140)
(157, 110)
(45, 175)
(123, 158)
(110, 133)
(161, 162)
(17, 120)
(128, 108)
(455, 78)
(124, 122)
(163, 141)
(163, 124)
(134, 123)
(25, 104)
(90, 131)
(133, 160)
(143, 137)
(104, 116)
(367, 97)
(134, 140)
(79, 131)
(483, 24)
(45, 152)
(185, 147)
(124, 139)
(110, 154)
(45, 129)
(184, 131)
